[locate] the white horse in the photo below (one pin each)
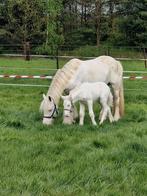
(104, 69)
(88, 93)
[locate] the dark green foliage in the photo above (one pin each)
(52, 23)
(24, 21)
(132, 27)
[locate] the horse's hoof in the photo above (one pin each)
(116, 118)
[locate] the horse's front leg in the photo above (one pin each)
(91, 113)
(82, 113)
(116, 105)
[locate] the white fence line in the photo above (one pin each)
(69, 57)
(47, 69)
(30, 68)
(24, 85)
(135, 71)
(47, 86)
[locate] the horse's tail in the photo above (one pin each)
(121, 90)
(121, 102)
(110, 99)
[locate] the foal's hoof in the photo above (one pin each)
(101, 123)
(80, 124)
(112, 120)
(67, 123)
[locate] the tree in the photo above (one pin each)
(53, 25)
(25, 19)
(132, 27)
(98, 12)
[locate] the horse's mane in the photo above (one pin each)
(62, 78)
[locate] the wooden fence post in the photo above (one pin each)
(26, 47)
(57, 58)
(145, 56)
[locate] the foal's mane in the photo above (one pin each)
(62, 78)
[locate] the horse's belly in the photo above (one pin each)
(90, 73)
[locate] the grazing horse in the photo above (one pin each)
(88, 93)
(102, 69)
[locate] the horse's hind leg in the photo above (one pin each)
(91, 113)
(116, 104)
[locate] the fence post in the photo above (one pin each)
(57, 58)
(145, 57)
(27, 51)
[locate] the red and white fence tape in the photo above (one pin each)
(26, 77)
(50, 77)
(135, 77)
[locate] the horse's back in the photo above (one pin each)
(93, 70)
(104, 68)
(115, 65)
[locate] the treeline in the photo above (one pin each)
(52, 23)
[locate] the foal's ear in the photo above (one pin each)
(44, 97)
(63, 98)
(50, 99)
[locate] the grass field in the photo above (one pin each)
(107, 160)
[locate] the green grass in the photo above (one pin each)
(70, 160)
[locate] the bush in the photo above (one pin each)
(44, 50)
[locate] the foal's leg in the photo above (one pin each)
(75, 112)
(82, 113)
(91, 113)
(101, 112)
(111, 119)
(105, 110)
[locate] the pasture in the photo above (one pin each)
(69, 160)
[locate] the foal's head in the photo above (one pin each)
(68, 114)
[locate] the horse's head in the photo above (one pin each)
(49, 109)
(68, 114)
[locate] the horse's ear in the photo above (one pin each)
(50, 99)
(44, 96)
(70, 98)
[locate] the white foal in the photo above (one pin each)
(88, 93)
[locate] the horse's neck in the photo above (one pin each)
(55, 94)
(59, 83)
(62, 78)
(55, 91)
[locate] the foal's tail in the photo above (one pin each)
(110, 99)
